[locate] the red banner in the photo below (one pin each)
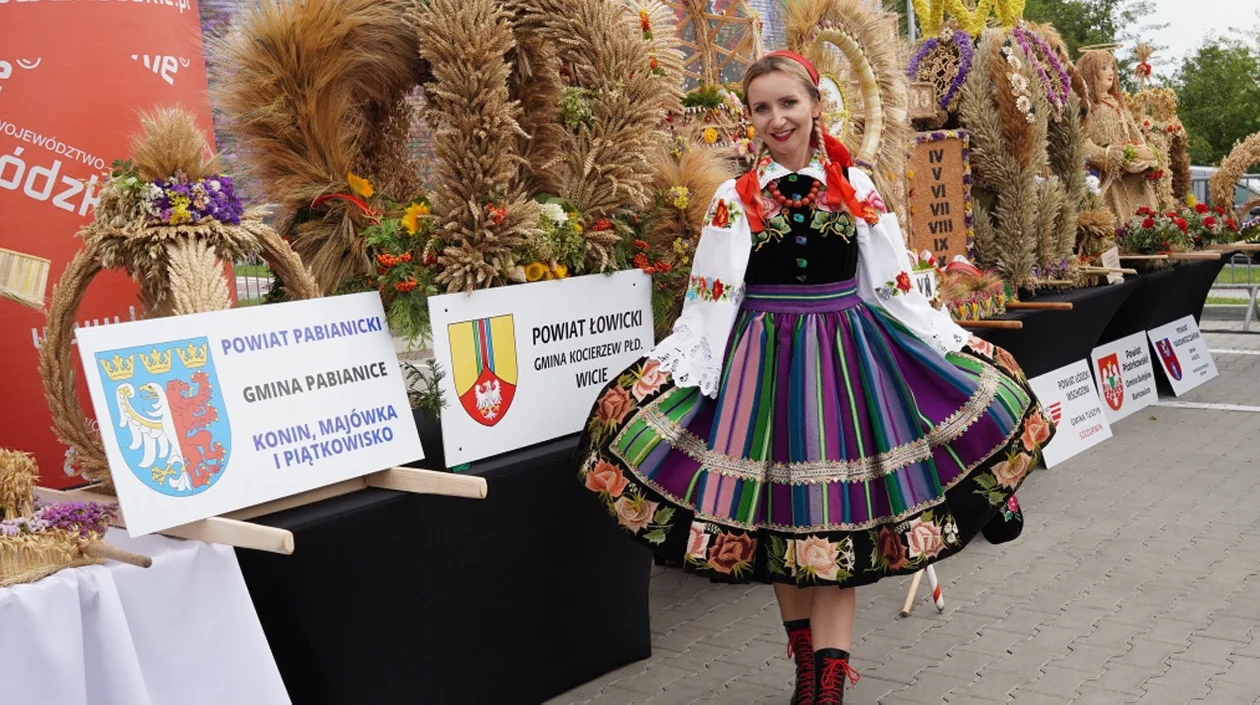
(74, 75)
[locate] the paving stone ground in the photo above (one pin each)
(1137, 580)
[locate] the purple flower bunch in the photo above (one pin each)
(1056, 91)
(80, 518)
(966, 54)
(177, 201)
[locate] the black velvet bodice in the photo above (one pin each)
(802, 246)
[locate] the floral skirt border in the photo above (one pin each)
(731, 554)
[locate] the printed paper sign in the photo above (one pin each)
(926, 282)
(213, 412)
(1125, 376)
(1111, 260)
(1073, 404)
(1183, 354)
(525, 362)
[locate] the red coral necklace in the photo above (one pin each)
(799, 202)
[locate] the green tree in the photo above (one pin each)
(1088, 22)
(1218, 97)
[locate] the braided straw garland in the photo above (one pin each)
(1243, 155)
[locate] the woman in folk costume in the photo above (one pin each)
(811, 421)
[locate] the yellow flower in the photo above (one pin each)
(360, 185)
(752, 132)
(411, 219)
(1191, 200)
(710, 135)
(577, 226)
(535, 271)
(561, 271)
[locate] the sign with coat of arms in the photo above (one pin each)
(1183, 354)
(1076, 409)
(213, 412)
(1125, 375)
(525, 362)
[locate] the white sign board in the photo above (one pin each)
(1125, 376)
(1183, 354)
(1070, 399)
(524, 363)
(212, 412)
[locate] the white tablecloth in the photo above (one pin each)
(183, 632)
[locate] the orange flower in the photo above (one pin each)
(360, 185)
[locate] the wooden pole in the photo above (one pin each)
(914, 590)
(429, 482)
(1194, 256)
(1236, 247)
(114, 553)
(1000, 325)
(1108, 270)
(1149, 258)
(1039, 305)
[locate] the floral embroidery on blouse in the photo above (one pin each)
(901, 285)
(723, 214)
(708, 289)
(872, 207)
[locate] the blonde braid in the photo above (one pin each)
(818, 137)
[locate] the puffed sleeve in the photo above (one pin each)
(693, 351)
(884, 277)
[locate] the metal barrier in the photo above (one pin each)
(253, 281)
(1249, 281)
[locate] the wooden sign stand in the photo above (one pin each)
(235, 529)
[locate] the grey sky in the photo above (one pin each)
(1191, 21)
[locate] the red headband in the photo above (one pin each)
(809, 66)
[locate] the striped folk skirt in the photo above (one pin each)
(841, 448)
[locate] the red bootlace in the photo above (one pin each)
(801, 646)
(835, 672)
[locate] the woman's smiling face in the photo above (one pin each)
(783, 112)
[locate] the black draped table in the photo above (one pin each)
(1051, 339)
(1164, 296)
(428, 600)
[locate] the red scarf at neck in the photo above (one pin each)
(840, 193)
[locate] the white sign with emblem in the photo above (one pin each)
(212, 412)
(526, 362)
(1183, 354)
(1072, 403)
(1125, 376)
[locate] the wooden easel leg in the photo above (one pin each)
(914, 589)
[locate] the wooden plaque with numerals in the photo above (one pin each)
(940, 194)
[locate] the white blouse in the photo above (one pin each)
(694, 351)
